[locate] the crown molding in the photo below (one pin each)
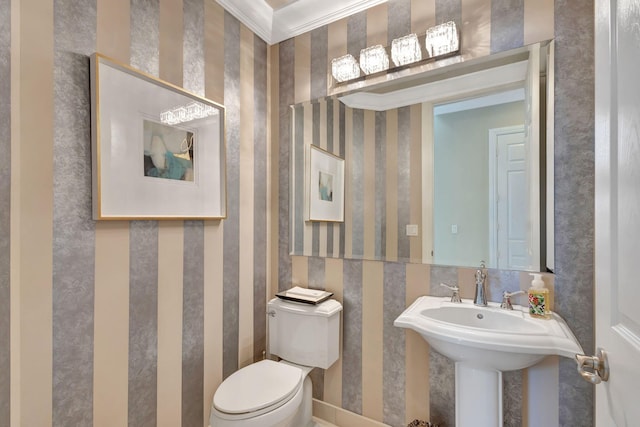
(257, 15)
(296, 18)
(303, 16)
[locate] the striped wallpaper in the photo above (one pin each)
(124, 323)
(5, 202)
(136, 323)
(388, 375)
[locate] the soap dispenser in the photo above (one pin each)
(538, 297)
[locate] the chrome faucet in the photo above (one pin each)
(481, 294)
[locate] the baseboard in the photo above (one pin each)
(341, 417)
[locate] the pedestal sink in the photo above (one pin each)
(483, 342)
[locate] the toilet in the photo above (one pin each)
(278, 394)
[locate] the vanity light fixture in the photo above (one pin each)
(345, 68)
(442, 39)
(374, 59)
(406, 50)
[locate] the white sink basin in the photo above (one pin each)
(483, 342)
(489, 337)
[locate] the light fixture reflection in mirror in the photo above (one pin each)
(186, 113)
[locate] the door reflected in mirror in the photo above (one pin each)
(480, 178)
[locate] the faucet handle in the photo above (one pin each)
(455, 297)
(506, 299)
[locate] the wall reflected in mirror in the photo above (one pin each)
(446, 169)
(480, 203)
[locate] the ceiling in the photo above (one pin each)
(278, 20)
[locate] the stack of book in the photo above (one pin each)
(303, 295)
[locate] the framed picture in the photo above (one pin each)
(326, 186)
(158, 151)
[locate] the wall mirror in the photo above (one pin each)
(453, 166)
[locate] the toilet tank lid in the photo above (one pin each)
(257, 386)
(325, 309)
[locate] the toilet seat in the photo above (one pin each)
(261, 386)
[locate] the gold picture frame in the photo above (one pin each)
(158, 151)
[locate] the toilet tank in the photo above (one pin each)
(305, 334)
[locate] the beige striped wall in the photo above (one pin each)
(104, 332)
(386, 375)
(5, 217)
(128, 323)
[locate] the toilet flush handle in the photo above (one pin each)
(271, 313)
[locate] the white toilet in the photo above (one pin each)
(278, 394)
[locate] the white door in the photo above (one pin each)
(617, 207)
(508, 201)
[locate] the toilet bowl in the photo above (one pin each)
(279, 394)
(266, 393)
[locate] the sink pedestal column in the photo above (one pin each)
(478, 396)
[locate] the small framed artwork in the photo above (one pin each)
(326, 186)
(158, 151)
